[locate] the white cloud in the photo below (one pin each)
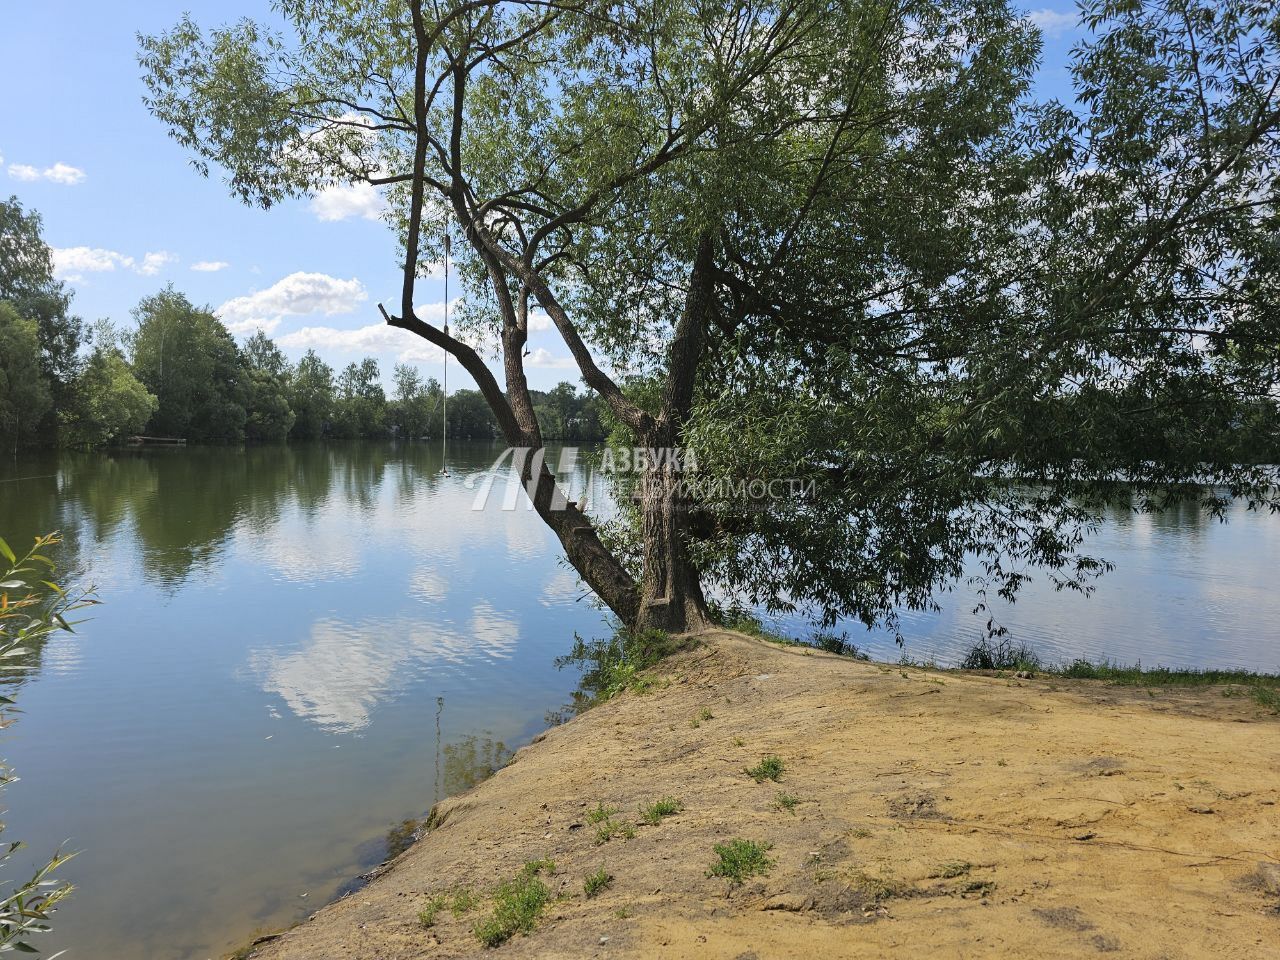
(1052, 23)
(68, 260)
(210, 266)
(342, 201)
(376, 338)
(64, 173)
(72, 262)
(540, 321)
(153, 263)
(542, 357)
(60, 172)
(299, 294)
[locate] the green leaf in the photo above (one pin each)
(7, 551)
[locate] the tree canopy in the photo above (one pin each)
(834, 241)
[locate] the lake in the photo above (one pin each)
(301, 646)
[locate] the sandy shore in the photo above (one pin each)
(938, 815)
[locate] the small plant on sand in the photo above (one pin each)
(518, 903)
(596, 882)
(614, 665)
(839, 644)
(948, 871)
(1000, 655)
(787, 801)
(1266, 697)
(740, 859)
(654, 812)
(601, 813)
(464, 900)
(606, 830)
(427, 915)
(769, 768)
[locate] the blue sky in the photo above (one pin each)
(126, 213)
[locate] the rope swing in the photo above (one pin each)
(444, 426)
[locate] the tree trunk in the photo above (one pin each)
(582, 547)
(670, 590)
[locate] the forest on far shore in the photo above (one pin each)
(180, 373)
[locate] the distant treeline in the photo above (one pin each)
(180, 373)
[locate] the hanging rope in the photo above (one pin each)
(444, 431)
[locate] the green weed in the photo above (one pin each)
(740, 859)
(769, 768)
(427, 915)
(596, 882)
(601, 813)
(787, 802)
(518, 903)
(654, 812)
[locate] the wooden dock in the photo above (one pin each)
(164, 441)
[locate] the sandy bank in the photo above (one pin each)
(940, 815)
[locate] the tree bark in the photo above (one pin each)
(671, 595)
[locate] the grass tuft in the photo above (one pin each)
(464, 900)
(610, 667)
(518, 903)
(1267, 697)
(769, 768)
(839, 644)
(427, 915)
(948, 871)
(740, 859)
(606, 830)
(787, 801)
(601, 813)
(1002, 655)
(597, 882)
(654, 812)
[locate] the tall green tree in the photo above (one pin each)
(470, 416)
(311, 397)
(186, 357)
(268, 415)
(109, 401)
(27, 281)
(361, 406)
(24, 392)
(411, 411)
(836, 241)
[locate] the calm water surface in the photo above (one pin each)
(303, 645)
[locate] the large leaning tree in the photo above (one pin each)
(833, 241)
